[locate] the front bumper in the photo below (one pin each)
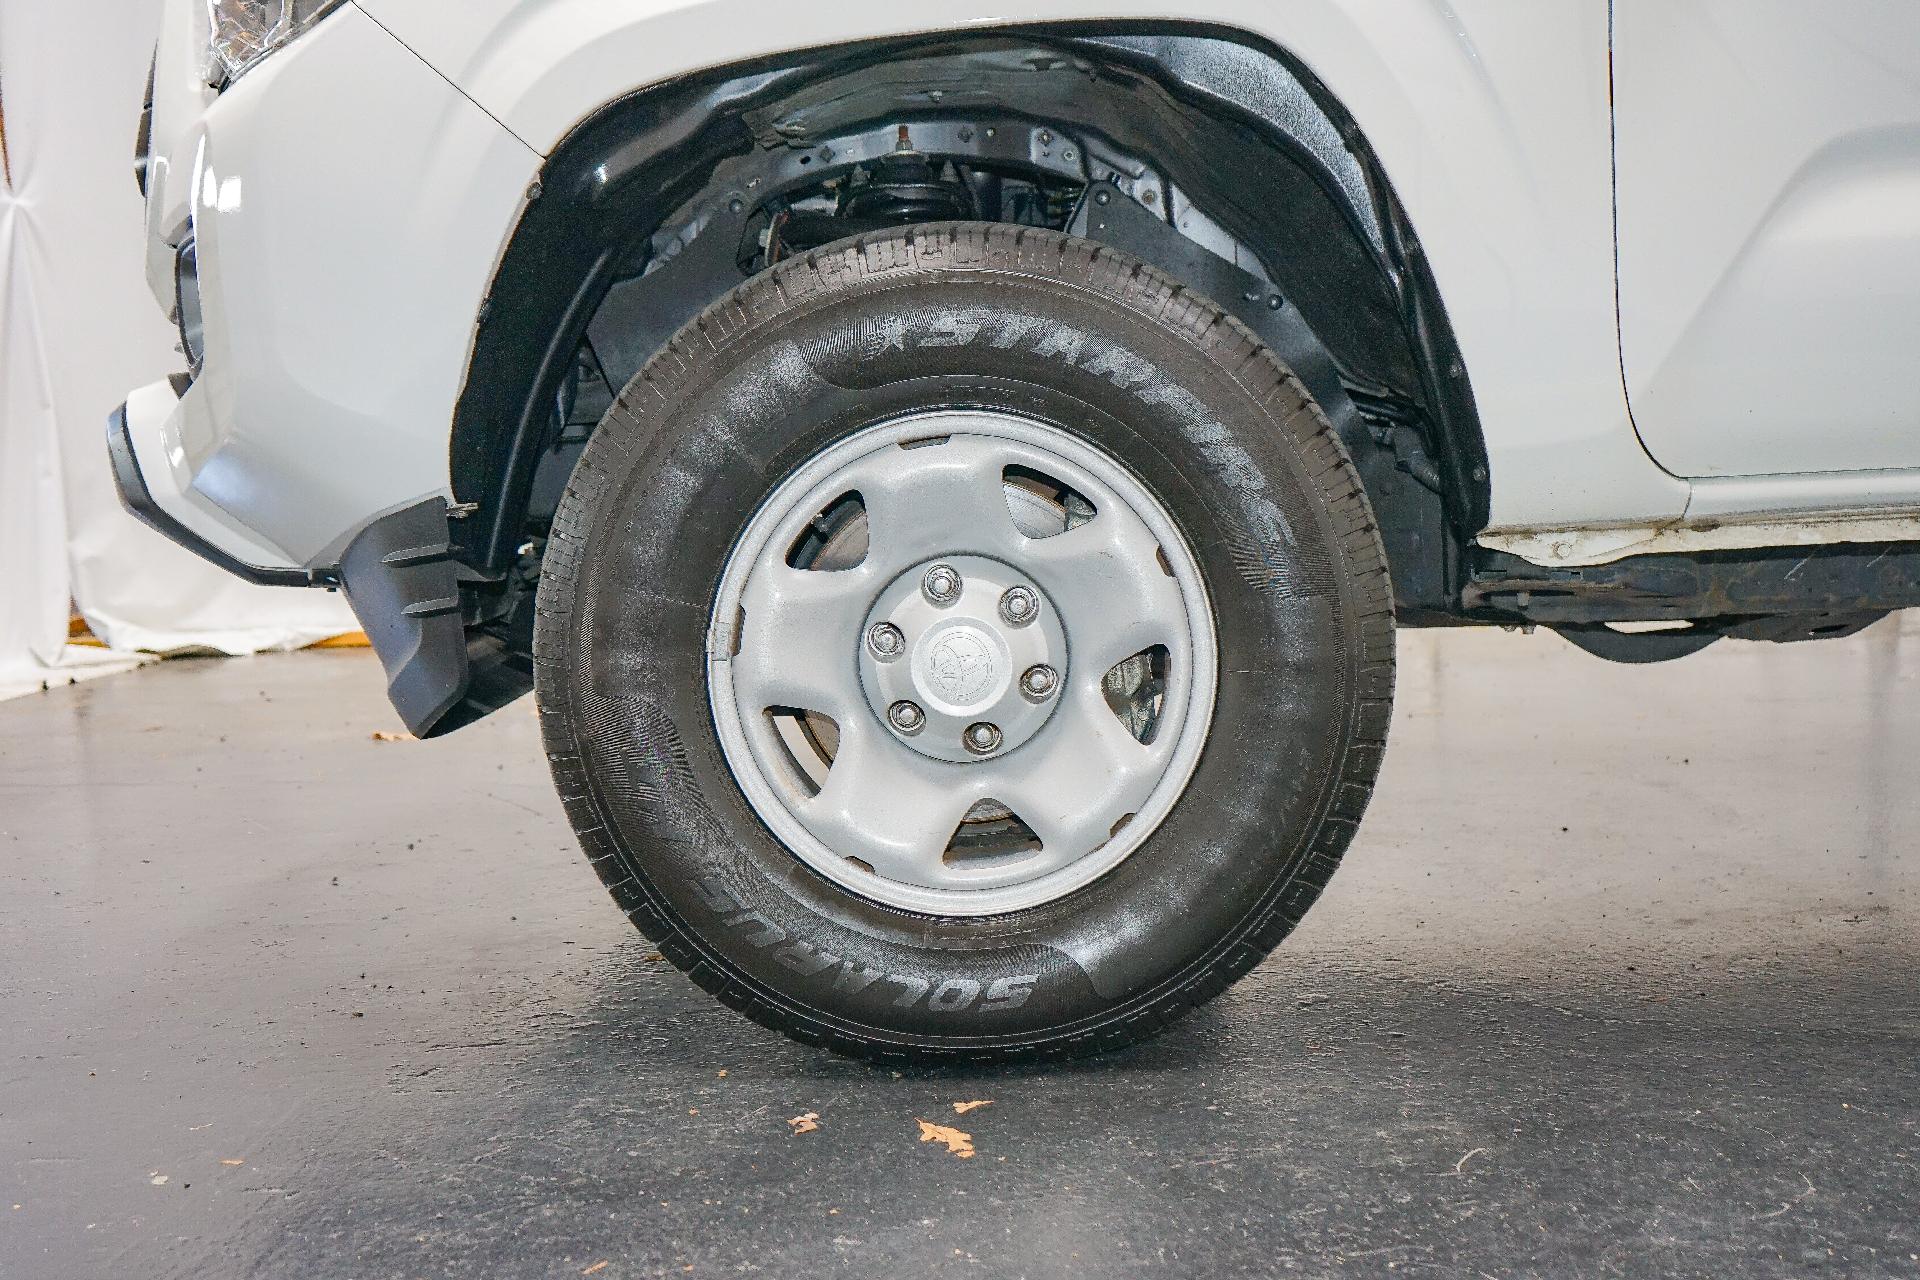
(347, 207)
(139, 499)
(398, 574)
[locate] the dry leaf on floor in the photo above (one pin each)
(381, 735)
(960, 1144)
(961, 1108)
(596, 1267)
(806, 1123)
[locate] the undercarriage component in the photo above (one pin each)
(1603, 641)
(894, 191)
(1779, 594)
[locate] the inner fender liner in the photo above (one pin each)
(1352, 271)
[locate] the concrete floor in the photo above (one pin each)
(1620, 979)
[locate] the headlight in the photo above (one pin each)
(241, 32)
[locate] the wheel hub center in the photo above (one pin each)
(960, 665)
(964, 658)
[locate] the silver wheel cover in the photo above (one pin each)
(948, 727)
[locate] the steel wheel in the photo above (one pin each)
(962, 663)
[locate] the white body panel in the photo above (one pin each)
(1490, 118)
(180, 96)
(349, 206)
(354, 192)
(1769, 186)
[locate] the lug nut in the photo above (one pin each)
(886, 641)
(906, 717)
(942, 584)
(982, 739)
(1039, 682)
(1019, 606)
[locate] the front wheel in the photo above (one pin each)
(965, 642)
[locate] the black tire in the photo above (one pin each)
(822, 345)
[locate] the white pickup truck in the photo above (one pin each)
(952, 480)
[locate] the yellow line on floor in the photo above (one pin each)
(346, 640)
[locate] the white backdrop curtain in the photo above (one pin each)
(78, 328)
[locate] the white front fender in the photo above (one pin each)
(1491, 119)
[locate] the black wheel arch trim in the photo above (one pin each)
(618, 175)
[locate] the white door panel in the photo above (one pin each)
(1768, 159)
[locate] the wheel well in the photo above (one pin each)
(1231, 167)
